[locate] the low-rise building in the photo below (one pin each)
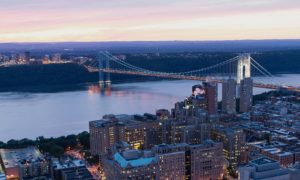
(277, 151)
(26, 163)
(263, 168)
(69, 170)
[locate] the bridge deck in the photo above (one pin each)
(195, 78)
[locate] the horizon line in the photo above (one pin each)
(128, 41)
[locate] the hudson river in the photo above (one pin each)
(28, 115)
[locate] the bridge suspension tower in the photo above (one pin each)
(103, 63)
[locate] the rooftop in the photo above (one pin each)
(67, 164)
(15, 157)
(266, 168)
(123, 119)
(136, 162)
(77, 174)
(262, 161)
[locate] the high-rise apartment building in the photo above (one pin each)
(246, 92)
(206, 160)
(166, 161)
(171, 161)
(201, 161)
(229, 96)
(138, 131)
(103, 134)
(211, 96)
(233, 140)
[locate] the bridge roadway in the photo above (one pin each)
(195, 78)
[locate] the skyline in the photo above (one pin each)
(140, 20)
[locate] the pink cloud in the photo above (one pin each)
(121, 17)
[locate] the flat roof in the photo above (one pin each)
(14, 157)
(262, 161)
(67, 164)
(122, 119)
(142, 161)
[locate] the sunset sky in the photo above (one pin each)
(133, 20)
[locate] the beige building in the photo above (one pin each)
(138, 131)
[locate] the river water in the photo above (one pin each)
(28, 115)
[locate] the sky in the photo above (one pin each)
(147, 20)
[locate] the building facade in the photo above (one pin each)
(229, 96)
(246, 92)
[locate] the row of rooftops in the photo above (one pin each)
(280, 133)
(276, 148)
(278, 108)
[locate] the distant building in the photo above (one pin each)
(26, 163)
(69, 170)
(163, 114)
(46, 59)
(263, 168)
(27, 57)
(56, 57)
(246, 92)
(229, 96)
(211, 96)
(121, 56)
